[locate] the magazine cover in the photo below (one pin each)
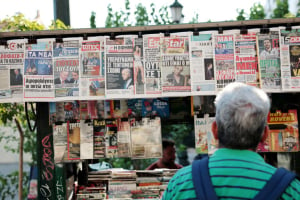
(202, 66)
(284, 134)
(152, 63)
(269, 61)
(134, 108)
(111, 138)
(204, 139)
(86, 139)
(73, 145)
(246, 58)
(116, 108)
(155, 107)
(224, 60)
(146, 138)
(175, 64)
(99, 138)
(290, 59)
(60, 138)
(124, 146)
(71, 109)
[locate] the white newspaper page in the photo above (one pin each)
(66, 69)
(119, 67)
(202, 64)
(175, 65)
(11, 71)
(146, 138)
(224, 60)
(246, 59)
(290, 59)
(152, 62)
(269, 61)
(86, 140)
(92, 68)
(38, 68)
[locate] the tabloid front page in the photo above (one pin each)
(152, 63)
(224, 60)
(202, 66)
(119, 67)
(246, 58)
(269, 61)
(290, 59)
(38, 70)
(11, 70)
(92, 67)
(175, 68)
(66, 69)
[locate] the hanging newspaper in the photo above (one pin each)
(246, 58)
(204, 139)
(92, 67)
(146, 138)
(152, 63)
(38, 70)
(269, 61)
(119, 67)
(139, 70)
(73, 142)
(86, 140)
(111, 138)
(224, 60)
(202, 65)
(175, 65)
(66, 69)
(99, 138)
(124, 146)
(290, 59)
(60, 142)
(11, 71)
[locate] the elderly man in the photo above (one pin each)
(235, 170)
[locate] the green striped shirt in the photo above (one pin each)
(235, 174)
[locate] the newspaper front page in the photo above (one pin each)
(269, 61)
(224, 60)
(92, 68)
(66, 69)
(175, 67)
(11, 71)
(246, 58)
(119, 67)
(152, 62)
(38, 70)
(202, 66)
(290, 59)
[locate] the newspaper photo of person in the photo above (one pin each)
(16, 77)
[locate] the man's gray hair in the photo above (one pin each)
(241, 115)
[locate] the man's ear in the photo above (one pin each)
(265, 134)
(214, 129)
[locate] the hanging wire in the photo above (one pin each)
(27, 116)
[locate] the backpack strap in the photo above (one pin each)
(201, 179)
(276, 185)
